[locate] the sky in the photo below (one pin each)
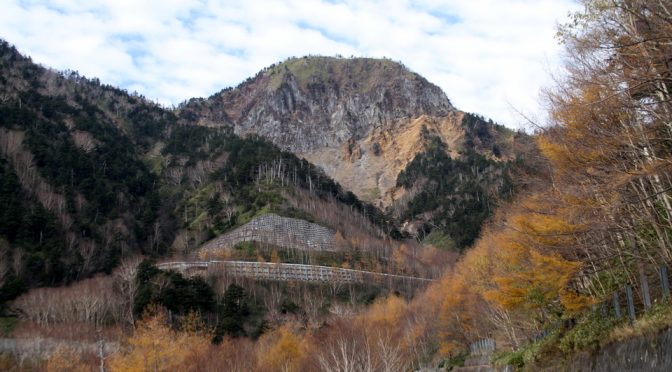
(491, 57)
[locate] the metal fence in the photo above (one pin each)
(635, 298)
(630, 300)
(484, 346)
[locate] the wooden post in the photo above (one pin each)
(617, 305)
(631, 302)
(604, 309)
(643, 281)
(101, 351)
(665, 283)
(644, 284)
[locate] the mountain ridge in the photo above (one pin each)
(357, 118)
(346, 96)
(116, 174)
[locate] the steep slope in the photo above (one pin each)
(356, 118)
(306, 104)
(364, 121)
(90, 174)
(74, 150)
(359, 119)
(278, 231)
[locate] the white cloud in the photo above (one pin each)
(487, 55)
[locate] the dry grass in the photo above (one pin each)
(656, 319)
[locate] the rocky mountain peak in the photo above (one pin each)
(362, 120)
(304, 104)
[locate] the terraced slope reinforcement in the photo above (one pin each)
(278, 231)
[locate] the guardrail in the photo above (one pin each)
(630, 300)
(285, 271)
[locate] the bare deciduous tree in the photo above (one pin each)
(126, 286)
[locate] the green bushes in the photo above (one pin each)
(7, 325)
(235, 315)
(453, 362)
(592, 331)
(588, 333)
(530, 353)
(171, 290)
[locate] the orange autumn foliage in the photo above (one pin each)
(281, 350)
(385, 312)
(513, 279)
(534, 281)
(457, 315)
(155, 346)
(65, 360)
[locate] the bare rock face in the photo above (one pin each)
(360, 119)
(369, 166)
(309, 103)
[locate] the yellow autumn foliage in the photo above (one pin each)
(154, 346)
(275, 257)
(456, 316)
(513, 276)
(385, 312)
(534, 282)
(281, 350)
(65, 360)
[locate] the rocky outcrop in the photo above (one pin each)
(369, 166)
(309, 103)
(358, 118)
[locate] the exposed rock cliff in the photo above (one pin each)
(306, 104)
(360, 119)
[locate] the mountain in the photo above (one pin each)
(305, 104)
(91, 174)
(364, 122)
(77, 190)
(359, 119)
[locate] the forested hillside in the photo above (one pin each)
(590, 228)
(107, 174)
(137, 235)
(449, 199)
(72, 155)
(569, 261)
(92, 174)
(363, 121)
